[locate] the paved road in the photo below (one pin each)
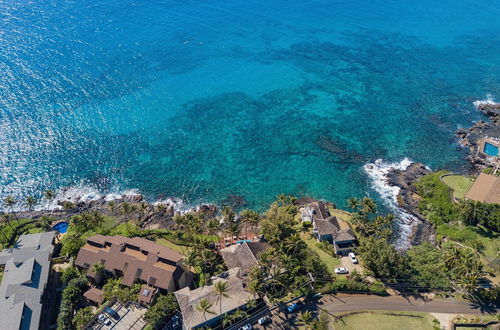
(346, 303)
(352, 302)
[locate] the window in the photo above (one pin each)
(152, 280)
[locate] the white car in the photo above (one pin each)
(353, 258)
(103, 320)
(341, 270)
(264, 320)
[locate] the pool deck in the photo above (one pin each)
(490, 140)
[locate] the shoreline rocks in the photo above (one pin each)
(408, 199)
(471, 138)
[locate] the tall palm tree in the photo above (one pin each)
(353, 203)
(204, 306)
(469, 211)
(221, 289)
(8, 217)
(306, 319)
(227, 213)
(49, 195)
(10, 202)
(452, 257)
(30, 202)
(368, 205)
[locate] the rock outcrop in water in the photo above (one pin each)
(471, 138)
(408, 200)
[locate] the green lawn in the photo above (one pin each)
(173, 246)
(341, 214)
(330, 261)
(459, 183)
(383, 320)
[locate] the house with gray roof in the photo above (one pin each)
(23, 288)
(237, 297)
(330, 228)
(244, 256)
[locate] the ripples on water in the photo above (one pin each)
(203, 99)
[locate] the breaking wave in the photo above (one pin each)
(403, 221)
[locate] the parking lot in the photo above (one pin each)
(126, 318)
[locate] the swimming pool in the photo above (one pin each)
(490, 149)
(61, 227)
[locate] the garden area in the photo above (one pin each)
(385, 320)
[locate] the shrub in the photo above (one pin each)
(163, 308)
(71, 298)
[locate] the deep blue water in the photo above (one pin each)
(203, 99)
(490, 149)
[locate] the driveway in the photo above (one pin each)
(346, 262)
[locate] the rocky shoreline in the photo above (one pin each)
(151, 215)
(408, 199)
(471, 138)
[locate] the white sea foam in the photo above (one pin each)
(85, 194)
(404, 222)
(488, 101)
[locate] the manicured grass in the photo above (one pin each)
(386, 320)
(459, 183)
(342, 215)
(173, 246)
(330, 261)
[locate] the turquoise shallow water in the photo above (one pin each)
(204, 99)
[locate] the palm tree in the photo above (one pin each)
(306, 319)
(469, 211)
(8, 217)
(204, 306)
(10, 202)
(49, 195)
(221, 289)
(233, 229)
(30, 202)
(477, 246)
(452, 257)
(353, 203)
(227, 213)
(368, 205)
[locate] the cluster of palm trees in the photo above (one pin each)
(284, 269)
(30, 201)
(465, 267)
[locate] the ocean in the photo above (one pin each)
(203, 100)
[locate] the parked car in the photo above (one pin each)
(247, 326)
(293, 307)
(110, 311)
(103, 319)
(353, 258)
(341, 270)
(264, 320)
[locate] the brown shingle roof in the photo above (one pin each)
(94, 294)
(245, 255)
(485, 189)
(136, 258)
